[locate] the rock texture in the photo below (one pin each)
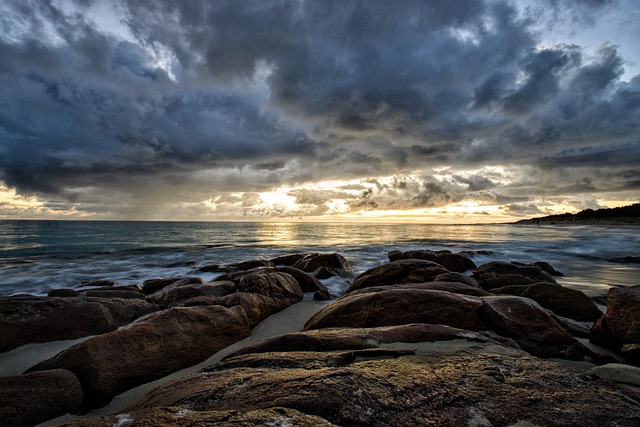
(450, 261)
(401, 271)
(148, 349)
(619, 328)
(172, 416)
(392, 389)
(26, 320)
(498, 274)
(562, 301)
(27, 400)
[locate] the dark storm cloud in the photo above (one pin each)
(244, 95)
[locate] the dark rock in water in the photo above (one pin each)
(548, 268)
(288, 260)
(215, 268)
(398, 306)
(153, 285)
(63, 293)
(450, 261)
(322, 295)
(307, 282)
(27, 400)
(401, 271)
(25, 320)
(237, 267)
(311, 262)
(392, 390)
(148, 349)
(99, 283)
(498, 274)
(531, 327)
(563, 301)
(171, 417)
(620, 325)
(324, 273)
(457, 278)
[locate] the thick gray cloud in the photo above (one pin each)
(184, 101)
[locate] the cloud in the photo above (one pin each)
(178, 103)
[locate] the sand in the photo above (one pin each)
(291, 319)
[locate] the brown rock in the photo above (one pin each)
(27, 400)
(174, 293)
(398, 306)
(311, 262)
(453, 287)
(531, 327)
(498, 274)
(25, 320)
(457, 390)
(322, 295)
(457, 277)
(450, 261)
(272, 284)
(396, 272)
(63, 293)
(114, 293)
(172, 416)
(307, 282)
(548, 268)
(288, 260)
(563, 301)
(148, 349)
(124, 311)
(153, 285)
(333, 339)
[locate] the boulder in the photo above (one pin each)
(288, 260)
(453, 287)
(548, 268)
(172, 416)
(99, 283)
(307, 282)
(456, 277)
(620, 325)
(124, 311)
(333, 339)
(397, 272)
(273, 284)
(114, 293)
(498, 274)
(29, 319)
(563, 301)
(27, 400)
(174, 293)
(527, 323)
(322, 295)
(153, 285)
(149, 349)
(311, 262)
(450, 261)
(392, 389)
(63, 293)
(398, 306)
(619, 373)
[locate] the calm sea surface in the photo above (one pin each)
(37, 256)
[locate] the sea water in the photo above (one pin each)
(38, 256)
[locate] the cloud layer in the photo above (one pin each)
(195, 109)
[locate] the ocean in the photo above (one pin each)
(37, 256)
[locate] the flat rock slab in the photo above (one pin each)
(170, 417)
(456, 390)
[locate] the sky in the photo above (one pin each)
(452, 111)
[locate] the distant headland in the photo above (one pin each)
(625, 215)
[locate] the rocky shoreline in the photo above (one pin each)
(428, 338)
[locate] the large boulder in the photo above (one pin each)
(392, 389)
(335, 263)
(498, 274)
(619, 328)
(124, 311)
(531, 327)
(401, 271)
(25, 320)
(153, 285)
(452, 262)
(307, 282)
(563, 301)
(453, 287)
(175, 293)
(148, 349)
(398, 306)
(27, 400)
(171, 417)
